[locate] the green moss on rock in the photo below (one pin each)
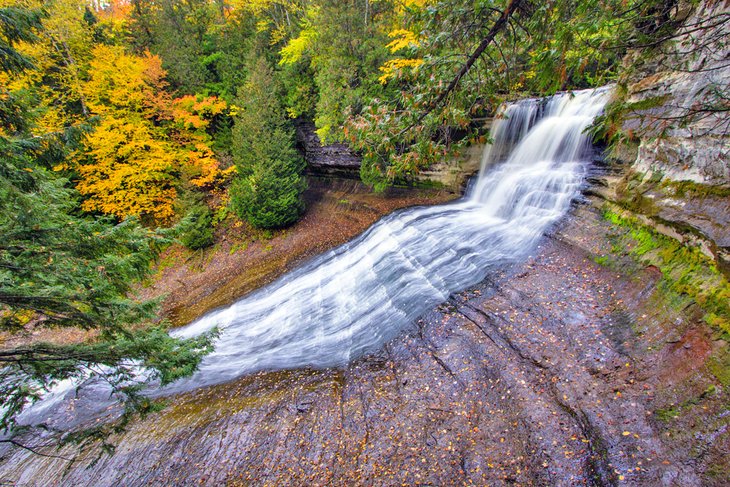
(686, 270)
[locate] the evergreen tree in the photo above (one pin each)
(267, 191)
(62, 270)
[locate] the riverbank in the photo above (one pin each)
(555, 371)
(243, 259)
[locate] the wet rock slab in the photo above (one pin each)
(527, 379)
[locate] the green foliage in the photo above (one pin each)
(204, 49)
(719, 365)
(62, 269)
(574, 44)
(197, 228)
(270, 197)
(177, 31)
(666, 415)
(336, 58)
(674, 411)
(16, 25)
(300, 98)
(432, 93)
(683, 189)
(267, 192)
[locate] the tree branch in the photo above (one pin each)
(33, 450)
(501, 22)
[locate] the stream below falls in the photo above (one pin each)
(350, 301)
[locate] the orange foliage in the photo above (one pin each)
(192, 116)
(195, 112)
(146, 139)
(117, 10)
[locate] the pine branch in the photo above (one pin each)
(33, 450)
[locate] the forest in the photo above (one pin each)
(126, 125)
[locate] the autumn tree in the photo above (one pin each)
(129, 167)
(60, 53)
(193, 122)
(147, 144)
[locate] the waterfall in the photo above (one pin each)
(351, 300)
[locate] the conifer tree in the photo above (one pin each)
(62, 270)
(268, 189)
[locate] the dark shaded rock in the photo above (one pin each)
(330, 160)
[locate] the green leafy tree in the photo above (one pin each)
(342, 44)
(453, 61)
(268, 189)
(197, 227)
(182, 34)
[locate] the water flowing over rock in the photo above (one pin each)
(352, 300)
(536, 375)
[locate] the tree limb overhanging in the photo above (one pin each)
(500, 24)
(35, 450)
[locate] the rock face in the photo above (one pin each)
(329, 160)
(679, 92)
(453, 173)
(339, 160)
(676, 120)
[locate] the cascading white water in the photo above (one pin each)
(353, 299)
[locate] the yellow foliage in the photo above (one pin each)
(415, 3)
(131, 172)
(192, 116)
(402, 38)
(253, 6)
(195, 112)
(262, 26)
(295, 49)
(391, 68)
(401, 5)
(129, 166)
(59, 54)
(131, 163)
(204, 169)
(118, 81)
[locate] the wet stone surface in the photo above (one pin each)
(530, 378)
